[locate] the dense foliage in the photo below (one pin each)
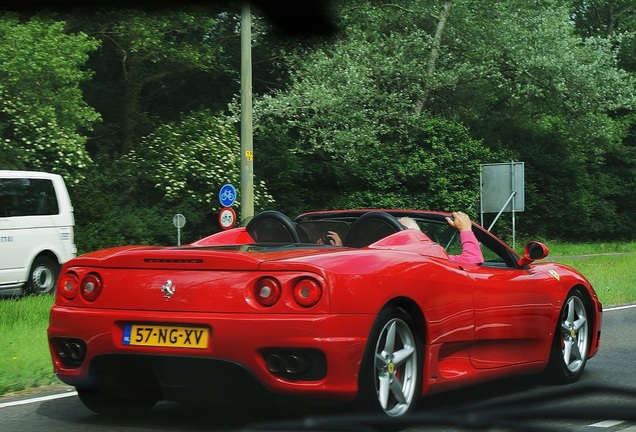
(138, 109)
(43, 116)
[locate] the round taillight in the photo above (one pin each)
(91, 287)
(307, 292)
(267, 291)
(67, 286)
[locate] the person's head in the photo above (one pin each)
(409, 223)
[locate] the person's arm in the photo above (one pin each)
(471, 252)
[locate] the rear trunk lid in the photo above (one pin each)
(192, 279)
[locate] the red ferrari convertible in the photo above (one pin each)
(274, 308)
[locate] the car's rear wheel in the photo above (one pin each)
(42, 276)
(110, 403)
(390, 379)
(570, 346)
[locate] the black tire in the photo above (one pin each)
(42, 276)
(571, 343)
(391, 372)
(113, 404)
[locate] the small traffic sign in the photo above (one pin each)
(227, 195)
(227, 218)
(179, 220)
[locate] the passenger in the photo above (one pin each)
(471, 252)
(332, 238)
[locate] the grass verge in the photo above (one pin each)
(608, 266)
(25, 361)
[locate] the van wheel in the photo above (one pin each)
(43, 276)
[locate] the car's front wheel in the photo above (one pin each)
(391, 379)
(110, 403)
(570, 346)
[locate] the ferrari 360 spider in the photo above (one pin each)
(274, 307)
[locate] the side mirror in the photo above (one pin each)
(532, 252)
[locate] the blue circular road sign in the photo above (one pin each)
(227, 195)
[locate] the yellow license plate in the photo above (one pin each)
(166, 336)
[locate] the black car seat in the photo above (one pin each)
(371, 227)
(271, 226)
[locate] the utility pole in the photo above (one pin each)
(247, 142)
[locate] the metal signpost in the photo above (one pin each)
(179, 221)
(502, 190)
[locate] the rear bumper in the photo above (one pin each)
(244, 340)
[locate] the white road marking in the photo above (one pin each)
(38, 399)
(619, 308)
(607, 423)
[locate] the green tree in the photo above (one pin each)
(162, 75)
(352, 120)
(154, 64)
(513, 74)
(434, 164)
(43, 117)
(190, 159)
(178, 168)
(530, 84)
(614, 22)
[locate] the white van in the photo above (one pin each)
(36, 231)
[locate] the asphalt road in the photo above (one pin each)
(61, 410)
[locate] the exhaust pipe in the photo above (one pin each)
(295, 364)
(72, 352)
(274, 363)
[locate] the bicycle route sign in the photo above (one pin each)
(227, 195)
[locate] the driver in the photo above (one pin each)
(471, 252)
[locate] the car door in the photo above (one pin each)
(514, 310)
(514, 316)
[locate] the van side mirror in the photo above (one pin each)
(532, 252)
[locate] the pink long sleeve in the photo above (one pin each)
(471, 252)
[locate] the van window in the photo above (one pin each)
(27, 197)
